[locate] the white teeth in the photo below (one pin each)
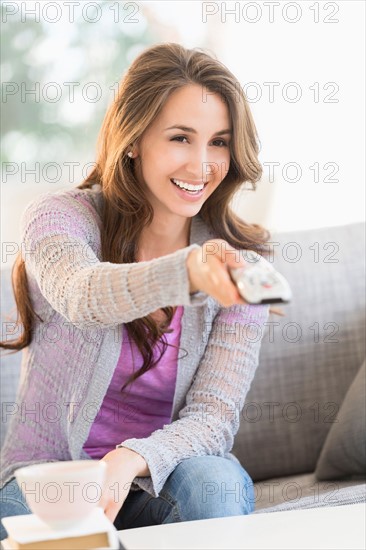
(188, 186)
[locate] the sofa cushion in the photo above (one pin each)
(309, 357)
(305, 491)
(344, 451)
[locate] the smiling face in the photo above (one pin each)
(197, 153)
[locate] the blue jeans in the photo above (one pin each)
(199, 488)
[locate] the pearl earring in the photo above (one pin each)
(130, 154)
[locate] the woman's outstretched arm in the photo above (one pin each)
(61, 248)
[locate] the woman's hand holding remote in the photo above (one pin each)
(207, 268)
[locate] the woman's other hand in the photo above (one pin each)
(123, 465)
(208, 271)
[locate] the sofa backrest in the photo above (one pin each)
(310, 356)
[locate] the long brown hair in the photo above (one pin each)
(142, 93)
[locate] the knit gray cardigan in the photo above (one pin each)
(83, 303)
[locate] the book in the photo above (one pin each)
(28, 532)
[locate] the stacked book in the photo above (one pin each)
(28, 532)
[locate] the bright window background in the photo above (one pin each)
(312, 149)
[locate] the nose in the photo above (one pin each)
(198, 165)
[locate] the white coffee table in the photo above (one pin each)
(330, 528)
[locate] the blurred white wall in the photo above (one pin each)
(312, 130)
(318, 140)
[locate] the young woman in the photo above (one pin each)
(137, 347)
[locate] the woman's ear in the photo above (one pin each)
(136, 150)
(137, 147)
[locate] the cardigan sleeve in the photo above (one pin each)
(61, 250)
(210, 418)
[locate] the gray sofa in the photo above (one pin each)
(302, 429)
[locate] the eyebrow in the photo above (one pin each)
(193, 131)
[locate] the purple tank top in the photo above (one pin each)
(146, 404)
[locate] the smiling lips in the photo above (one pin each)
(188, 186)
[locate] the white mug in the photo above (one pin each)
(62, 494)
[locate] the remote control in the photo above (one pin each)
(259, 282)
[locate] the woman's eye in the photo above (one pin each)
(223, 142)
(178, 138)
